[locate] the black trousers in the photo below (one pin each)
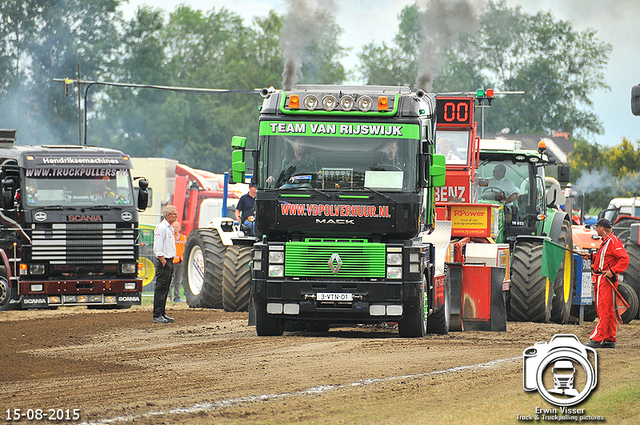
(163, 281)
(176, 282)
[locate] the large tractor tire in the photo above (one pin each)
(622, 229)
(267, 325)
(236, 278)
(632, 275)
(202, 277)
(6, 292)
(439, 321)
(563, 284)
(414, 318)
(631, 297)
(531, 297)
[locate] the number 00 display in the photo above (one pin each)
(455, 111)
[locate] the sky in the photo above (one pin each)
(365, 21)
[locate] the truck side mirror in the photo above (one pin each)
(143, 194)
(563, 173)
(437, 170)
(8, 185)
(635, 100)
(238, 164)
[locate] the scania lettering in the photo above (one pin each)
(346, 178)
(69, 226)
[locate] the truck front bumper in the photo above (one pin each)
(115, 292)
(343, 302)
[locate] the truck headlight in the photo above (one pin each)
(36, 268)
(276, 257)
(394, 272)
(394, 258)
(129, 286)
(276, 271)
(129, 268)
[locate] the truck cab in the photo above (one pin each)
(69, 227)
(345, 179)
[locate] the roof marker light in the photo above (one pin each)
(542, 146)
(294, 101)
(383, 103)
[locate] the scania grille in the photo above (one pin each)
(82, 244)
(346, 259)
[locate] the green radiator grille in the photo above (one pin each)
(311, 259)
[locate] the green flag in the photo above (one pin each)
(552, 258)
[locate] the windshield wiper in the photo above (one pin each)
(305, 186)
(328, 196)
(55, 207)
(384, 195)
(100, 207)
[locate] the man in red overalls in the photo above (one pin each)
(610, 260)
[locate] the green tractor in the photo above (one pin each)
(529, 213)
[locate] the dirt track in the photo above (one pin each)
(210, 368)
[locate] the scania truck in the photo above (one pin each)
(68, 226)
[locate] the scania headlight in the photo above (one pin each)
(36, 268)
(129, 286)
(129, 268)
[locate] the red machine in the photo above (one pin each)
(479, 268)
(199, 195)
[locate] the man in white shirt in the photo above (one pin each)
(164, 247)
(510, 190)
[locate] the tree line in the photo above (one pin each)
(451, 46)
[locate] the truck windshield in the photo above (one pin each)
(77, 187)
(504, 178)
(339, 163)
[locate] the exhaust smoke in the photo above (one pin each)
(443, 21)
(303, 23)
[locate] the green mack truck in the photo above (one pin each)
(345, 181)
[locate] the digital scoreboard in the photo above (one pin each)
(454, 111)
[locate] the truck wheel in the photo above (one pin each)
(414, 318)
(563, 284)
(622, 229)
(267, 325)
(6, 293)
(631, 276)
(204, 254)
(631, 297)
(438, 322)
(236, 278)
(530, 291)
